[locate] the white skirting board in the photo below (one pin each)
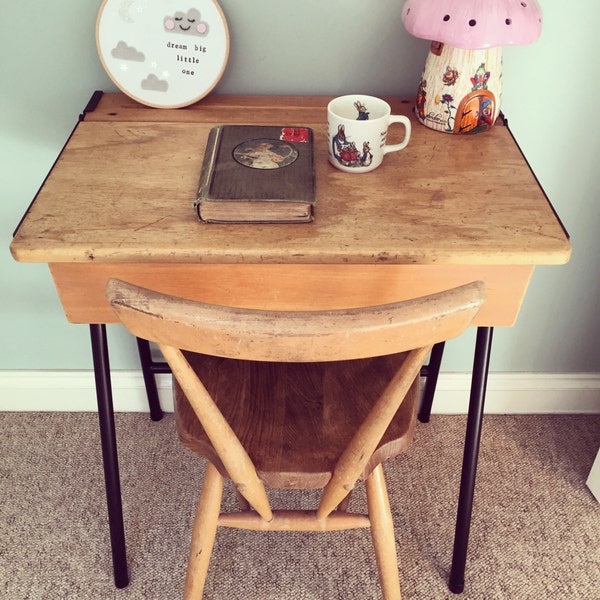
(507, 393)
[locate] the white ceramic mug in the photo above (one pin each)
(357, 128)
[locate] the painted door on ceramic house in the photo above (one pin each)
(475, 112)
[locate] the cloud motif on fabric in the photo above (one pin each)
(124, 52)
(153, 83)
(188, 23)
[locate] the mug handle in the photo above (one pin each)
(407, 126)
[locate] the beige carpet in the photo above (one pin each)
(535, 534)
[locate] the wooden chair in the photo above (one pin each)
(295, 400)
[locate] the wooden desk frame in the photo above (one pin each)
(450, 210)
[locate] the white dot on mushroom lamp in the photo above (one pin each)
(461, 85)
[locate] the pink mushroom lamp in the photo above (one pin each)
(461, 85)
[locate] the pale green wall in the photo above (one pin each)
(49, 68)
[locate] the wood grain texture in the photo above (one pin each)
(294, 520)
(122, 191)
(382, 533)
(294, 336)
(294, 420)
(203, 533)
(81, 286)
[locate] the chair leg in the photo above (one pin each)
(203, 535)
(382, 532)
(243, 504)
(345, 503)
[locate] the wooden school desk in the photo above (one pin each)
(445, 211)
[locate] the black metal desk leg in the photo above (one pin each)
(433, 370)
(481, 363)
(109, 453)
(156, 413)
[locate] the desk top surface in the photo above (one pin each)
(123, 189)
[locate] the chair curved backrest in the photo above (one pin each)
(295, 336)
(408, 330)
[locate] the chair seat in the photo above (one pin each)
(295, 419)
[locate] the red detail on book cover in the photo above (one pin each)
(294, 134)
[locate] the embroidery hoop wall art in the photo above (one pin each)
(164, 54)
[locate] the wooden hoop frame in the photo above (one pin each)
(164, 55)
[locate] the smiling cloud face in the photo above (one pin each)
(188, 23)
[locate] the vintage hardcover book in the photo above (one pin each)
(257, 174)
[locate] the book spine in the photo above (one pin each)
(208, 165)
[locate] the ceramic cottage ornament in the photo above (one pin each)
(461, 85)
